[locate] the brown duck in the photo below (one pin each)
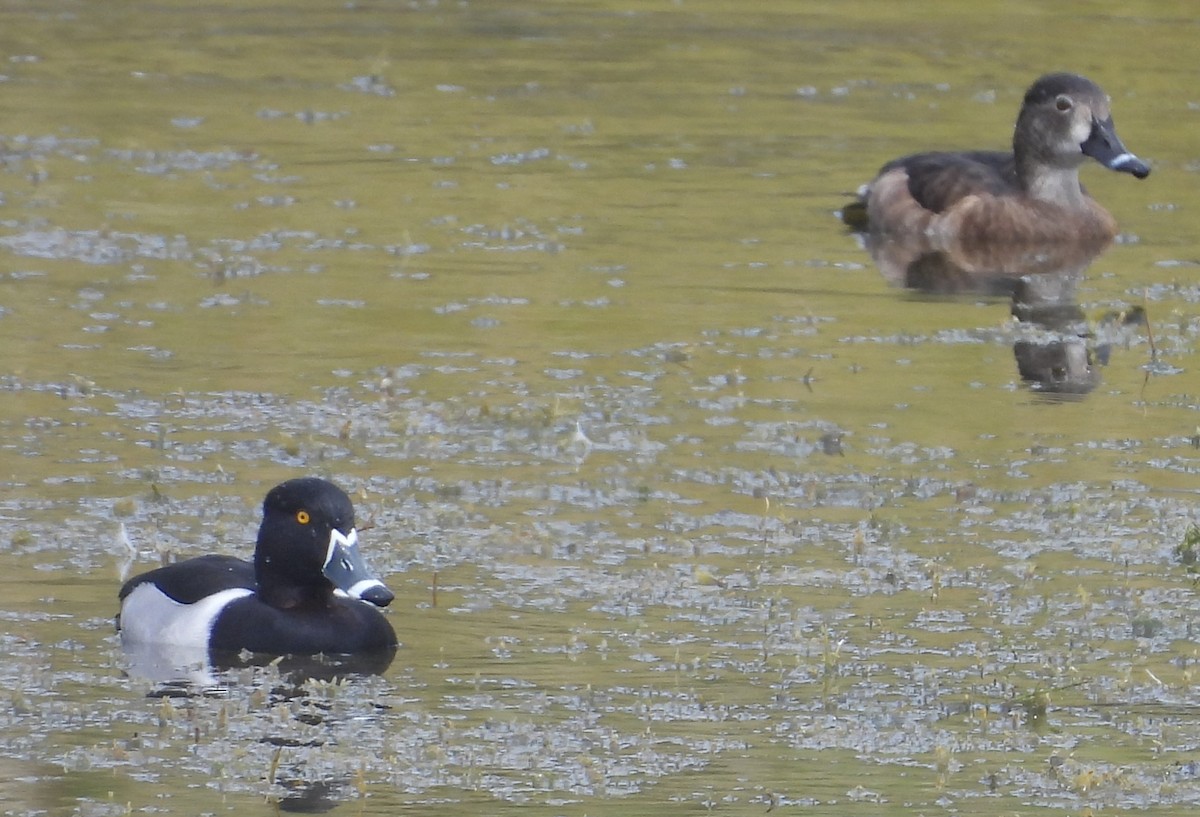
(1031, 194)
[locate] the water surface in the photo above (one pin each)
(685, 505)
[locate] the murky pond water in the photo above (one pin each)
(686, 506)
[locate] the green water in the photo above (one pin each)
(821, 549)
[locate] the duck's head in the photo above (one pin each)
(1065, 119)
(308, 547)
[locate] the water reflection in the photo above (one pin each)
(1059, 359)
(1057, 353)
(296, 710)
(1063, 359)
(312, 796)
(182, 669)
(299, 669)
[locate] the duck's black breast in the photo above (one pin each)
(189, 581)
(936, 181)
(342, 626)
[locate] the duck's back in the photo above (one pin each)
(189, 581)
(936, 181)
(911, 193)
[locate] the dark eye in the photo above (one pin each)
(1063, 103)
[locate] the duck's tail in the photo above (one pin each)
(854, 215)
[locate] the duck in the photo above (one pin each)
(1029, 194)
(307, 592)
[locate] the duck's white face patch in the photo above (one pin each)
(346, 540)
(1081, 129)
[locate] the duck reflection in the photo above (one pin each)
(1059, 359)
(313, 796)
(1058, 354)
(180, 673)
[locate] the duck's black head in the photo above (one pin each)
(308, 547)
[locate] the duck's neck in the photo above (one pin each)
(1055, 185)
(294, 598)
(282, 591)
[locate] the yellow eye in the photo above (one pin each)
(302, 517)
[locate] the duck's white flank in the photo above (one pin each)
(150, 615)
